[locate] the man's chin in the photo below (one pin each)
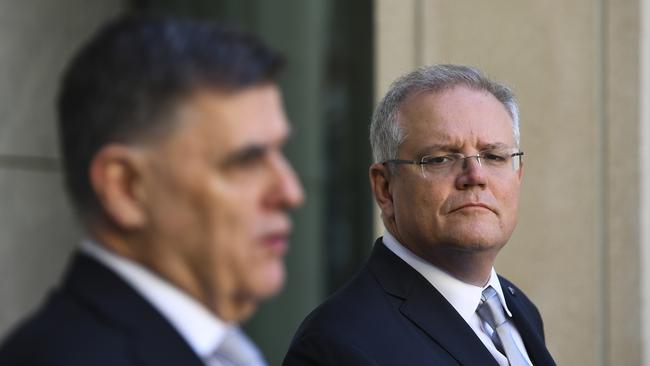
(271, 281)
(259, 287)
(475, 246)
(477, 235)
(476, 242)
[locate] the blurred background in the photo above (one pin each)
(581, 70)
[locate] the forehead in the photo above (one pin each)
(459, 117)
(231, 120)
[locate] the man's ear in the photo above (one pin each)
(116, 173)
(380, 185)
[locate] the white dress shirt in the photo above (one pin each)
(201, 329)
(464, 297)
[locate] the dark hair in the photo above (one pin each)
(133, 72)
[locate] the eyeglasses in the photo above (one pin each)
(494, 161)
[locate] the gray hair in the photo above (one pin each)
(386, 134)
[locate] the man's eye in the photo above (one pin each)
(437, 160)
(249, 157)
(250, 161)
(495, 157)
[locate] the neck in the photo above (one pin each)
(224, 302)
(470, 265)
(474, 268)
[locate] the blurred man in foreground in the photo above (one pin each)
(446, 176)
(171, 135)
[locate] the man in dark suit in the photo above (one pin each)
(446, 176)
(172, 134)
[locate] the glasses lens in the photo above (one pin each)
(516, 162)
(493, 161)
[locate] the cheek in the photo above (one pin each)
(429, 197)
(513, 208)
(235, 221)
(229, 216)
(419, 203)
(224, 252)
(250, 269)
(508, 198)
(203, 216)
(174, 215)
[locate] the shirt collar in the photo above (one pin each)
(464, 297)
(197, 325)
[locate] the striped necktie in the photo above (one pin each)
(491, 311)
(236, 349)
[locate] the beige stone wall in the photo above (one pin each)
(575, 68)
(644, 167)
(37, 228)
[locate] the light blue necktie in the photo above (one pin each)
(491, 311)
(236, 349)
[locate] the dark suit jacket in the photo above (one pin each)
(390, 315)
(95, 318)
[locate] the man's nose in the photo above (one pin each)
(287, 190)
(472, 173)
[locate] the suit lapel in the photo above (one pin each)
(427, 309)
(152, 339)
(531, 336)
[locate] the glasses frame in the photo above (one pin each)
(422, 162)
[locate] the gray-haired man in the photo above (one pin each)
(446, 176)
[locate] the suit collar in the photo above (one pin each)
(154, 340)
(464, 297)
(200, 328)
(425, 307)
(533, 340)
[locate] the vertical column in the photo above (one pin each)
(644, 169)
(396, 46)
(621, 131)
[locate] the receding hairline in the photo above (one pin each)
(409, 96)
(386, 130)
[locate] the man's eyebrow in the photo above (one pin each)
(455, 148)
(495, 146)
(437, 147)
(245, 153)
(255, 150)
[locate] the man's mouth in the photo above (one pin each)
(278, 243)
(473, 206)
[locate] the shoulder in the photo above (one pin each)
(348, 305)
(315, 348)
(346, 328)
(63, 332)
